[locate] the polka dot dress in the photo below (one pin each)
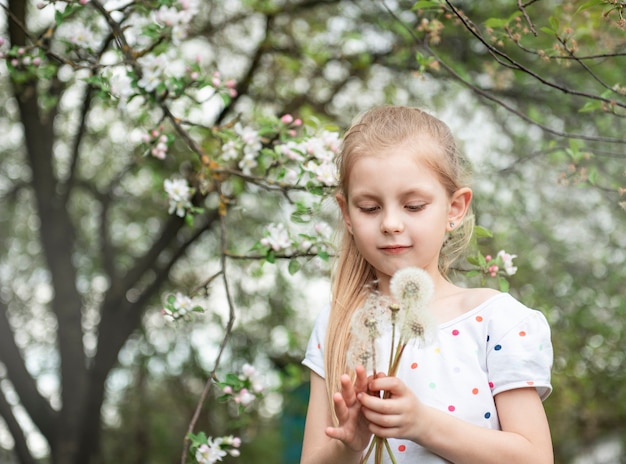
(498, 346)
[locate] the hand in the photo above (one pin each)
(353, 427)
(399, 415)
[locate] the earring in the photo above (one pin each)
(452, 225)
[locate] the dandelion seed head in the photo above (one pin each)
(359, 354)
(412, 286)
(369, 320)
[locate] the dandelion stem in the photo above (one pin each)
(373, 341)
(391, 456)
(393, 368)
(369, 451)
(379, 450)
(394, 311)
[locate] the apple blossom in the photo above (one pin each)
(507, 260)
(179, 194)
(277, 237)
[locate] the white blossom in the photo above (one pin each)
(230, 150)
(211, 452)
(507, 261)
(152, 71)
(325, 173)
(251, 140)
(277, 237)
(80, 35)
(247, 164)
(179, 194)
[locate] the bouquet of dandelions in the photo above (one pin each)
(406, 316)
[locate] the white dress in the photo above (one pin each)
(498, 346)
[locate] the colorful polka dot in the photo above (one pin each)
(451, 408)
(402, 448)
(319, 346)
(487, 338)
(432, 385)
(487, 415)
(479, 318)
(414, 366)
(497, 347)
(530, 382)
(455, 332)
(474, 391)
(522, 334)
(491, 385)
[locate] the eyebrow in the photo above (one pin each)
(365, 195)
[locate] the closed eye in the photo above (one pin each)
(369, 209)
(415, 207)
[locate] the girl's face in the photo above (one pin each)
(399, 212)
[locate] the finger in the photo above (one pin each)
(347, 390)
(341, 409)
(391, 384)
(360, 384)
(336, 432)
(378, 405)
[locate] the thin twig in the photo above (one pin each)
(222, 348)
(522, 8)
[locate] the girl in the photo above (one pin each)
(475, 396)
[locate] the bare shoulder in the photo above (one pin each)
(474, 297)
(459, 300)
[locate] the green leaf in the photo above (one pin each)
(294, 266)
(499, 23)
(589, 4)
(425, 5)
(496, 23)
(503, 284)
(323, 255)
(482, 232)
(554, 23)
(591, 106)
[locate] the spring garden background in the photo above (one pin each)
(166, 210)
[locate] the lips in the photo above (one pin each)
(394, 249)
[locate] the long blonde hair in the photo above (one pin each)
(373, 132)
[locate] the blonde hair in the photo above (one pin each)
(372, 133)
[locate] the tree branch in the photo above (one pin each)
(56, 234)
(509, 62)
(244, 84)
(489, 96)
(225, 338)
(19, 439)
(38, 408)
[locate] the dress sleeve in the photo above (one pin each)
(522, 356)
(314, 357)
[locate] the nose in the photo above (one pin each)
(391, 223)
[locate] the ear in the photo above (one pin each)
(343, 206)
(459, 206)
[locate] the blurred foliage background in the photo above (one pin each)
(536, 93)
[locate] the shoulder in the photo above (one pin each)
(505, 313)
(459, 301)
(475, 297)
